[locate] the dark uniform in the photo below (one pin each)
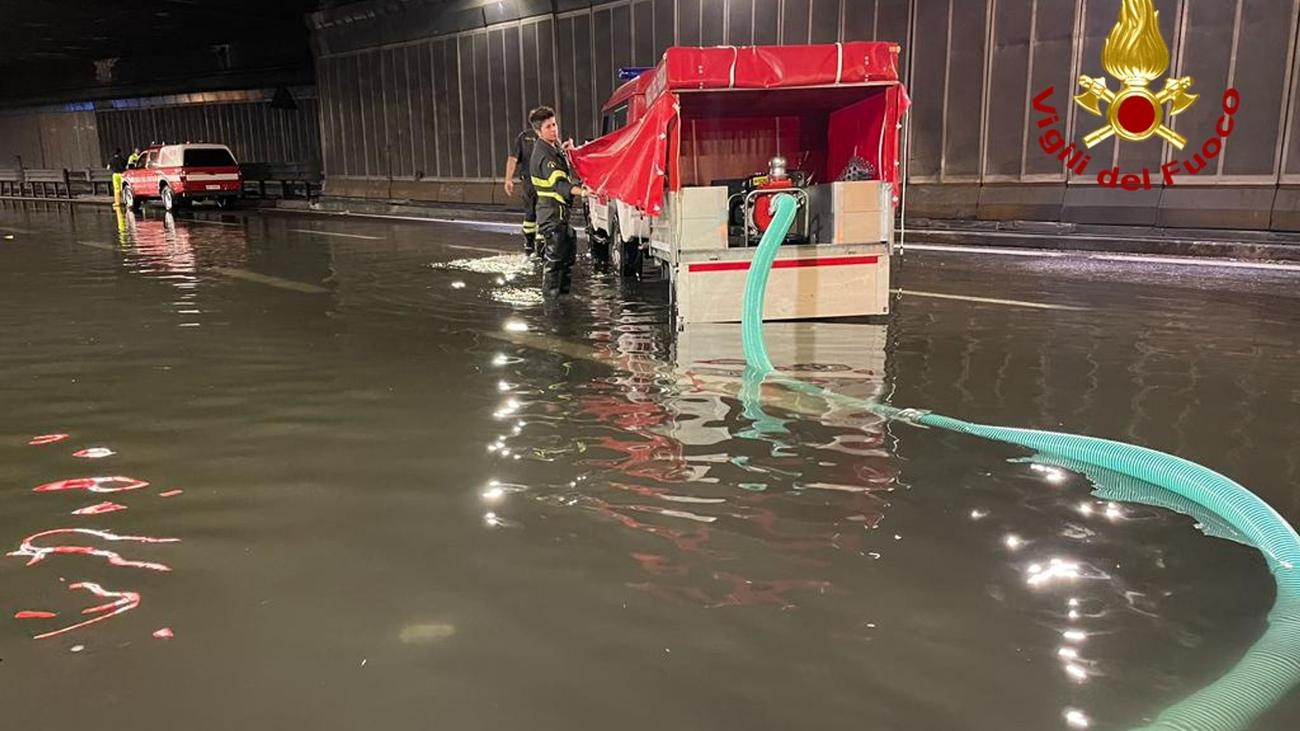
(523, 162)
(550, 177)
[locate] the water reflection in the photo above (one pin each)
(67, 541)
(659, 455)
(389, 472)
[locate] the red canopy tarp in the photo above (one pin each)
(767, 67)
(629, 164)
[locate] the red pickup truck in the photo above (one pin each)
(180, 174)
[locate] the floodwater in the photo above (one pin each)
(389, 489)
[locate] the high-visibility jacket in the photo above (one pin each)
(549, 170)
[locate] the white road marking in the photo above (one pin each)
(334, 233)
(512, 227)
(1191, 261)
(242, 274)
(268, 280)
(212, 223)
(476, 248)
(1001, 251)
(990, 300)
(1200, 262)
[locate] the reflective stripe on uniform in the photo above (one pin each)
(551, 181)
(552, 194)
(530, 226)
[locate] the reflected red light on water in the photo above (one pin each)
(170, 493)
(36, 554)
(99, 509)
(31, 548)
(47, 439)
(94, 484)
(123, 601)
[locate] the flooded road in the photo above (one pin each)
(345, 473)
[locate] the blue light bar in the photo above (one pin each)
(627, 73)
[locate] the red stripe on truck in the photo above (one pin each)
(824, 261)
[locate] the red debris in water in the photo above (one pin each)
(34, 614)
(170, 493)
(165, 633)
(94, 453)
(47, 439)
(99, 509)
(94, 484)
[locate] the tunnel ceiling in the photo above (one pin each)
(86, 30)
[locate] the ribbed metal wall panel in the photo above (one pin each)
(971, 67)
(254, 131)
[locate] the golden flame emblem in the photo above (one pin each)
(1135, 54)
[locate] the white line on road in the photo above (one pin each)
(268, 280)
(333, 233)
(472, 223)
(983, 250)
(1188, 261)
(476, 248)
(242, 274)
(1191, 261)
(212, 223)
(458, 221)
(990, 300)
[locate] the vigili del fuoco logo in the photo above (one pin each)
(1135, 55)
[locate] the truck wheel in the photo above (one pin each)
(627, 254)
(169, 203)
(630, 261)
(600, 246)
(129, 200)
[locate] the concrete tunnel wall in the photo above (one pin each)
(422, 100)
(84, 135)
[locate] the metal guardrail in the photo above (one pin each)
(35, 182)
(291, 177)
(293, 180)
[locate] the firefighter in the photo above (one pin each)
(117, 166)
(134, 159)
(517, 170)
(549, 169)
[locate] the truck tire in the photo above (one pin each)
(168, 201)
(629, 260)
(599, 247)
(129, 200)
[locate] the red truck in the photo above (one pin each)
(177, 175)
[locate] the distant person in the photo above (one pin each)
(549, 169)
(117, 165)
(517, 169)
(134, 159)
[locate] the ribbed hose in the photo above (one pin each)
(1269, 669)
(751, 328)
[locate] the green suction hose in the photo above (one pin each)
(751, 327)
(1270, 668)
